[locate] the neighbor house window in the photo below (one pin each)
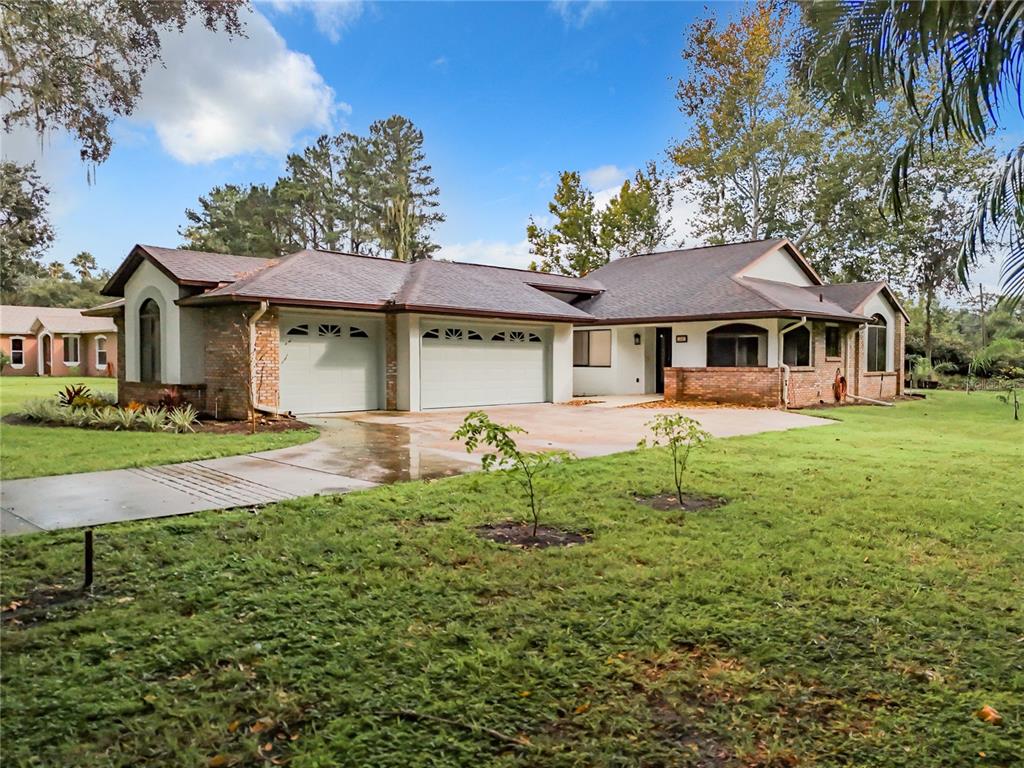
(101, 351)
(71, 350)
(796, 346)
(833, 341)
(592, 349)
(17, 352)
(737, 345)
(878, 355)
(149, 341)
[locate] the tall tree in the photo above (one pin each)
(748, 160)
(402, 193)
(78, 65)
(84, 264)
(244, 220)
(313, 194)
(855, 55)
(584, 237)
(25, 231)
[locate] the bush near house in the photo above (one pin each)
(857, 602)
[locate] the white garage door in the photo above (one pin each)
(471, 365)
(330, 365)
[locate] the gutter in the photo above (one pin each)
(782, 365)
(264, 306)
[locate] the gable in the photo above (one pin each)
(780, 266)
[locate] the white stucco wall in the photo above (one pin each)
(631, 362)
(182, 330)
(880, 305)
(779, 266)
(561, 363)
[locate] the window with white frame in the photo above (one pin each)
(101, 351)
(17, 352)
(878, 354)
(592, 349)
(796, 347)
(71, 350)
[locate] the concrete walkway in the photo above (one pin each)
(354, 451)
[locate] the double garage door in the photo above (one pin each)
(330, 365)
(336, 364)
(468, 365)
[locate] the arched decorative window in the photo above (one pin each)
(298, 330)
(878, 354)
(453, 334)
(357, 333)
(796, 346)
(433, 333)
(534, 338)
(328, 329)
(516, 336)
(473, 335)
(498, 337)
(737, 345)
(149, 341)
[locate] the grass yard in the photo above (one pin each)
(30, 451)
(855, 604)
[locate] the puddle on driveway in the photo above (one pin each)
(379, 453)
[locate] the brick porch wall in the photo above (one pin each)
(742, 386)
(391, 362)
(880, 385)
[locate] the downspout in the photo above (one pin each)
(782, 365)
(264, 306)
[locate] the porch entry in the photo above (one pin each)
(663, 345)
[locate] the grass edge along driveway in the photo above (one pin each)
(36, 451)
(855, 603)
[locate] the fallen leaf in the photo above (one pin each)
(150, 698)
(582, 708)
(989, 715)
(217, 761)
(233, 726)
(268, 746)
(524, 694)
(123, 600)
(261, 725)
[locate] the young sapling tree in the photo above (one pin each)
(528, 467)
(680, 434)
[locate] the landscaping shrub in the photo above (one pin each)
(105, 418)
(153, 419)
(183, 419)
(42, 409)
(680, 434)
(71, 392)
(126, 418)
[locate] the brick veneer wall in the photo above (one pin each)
(391, 362)
(226, 363)
(879, 385)
(743, 386)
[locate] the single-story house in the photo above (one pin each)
(321, 331)
(56, 341)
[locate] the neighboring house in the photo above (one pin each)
(747, 323)
(56, 341)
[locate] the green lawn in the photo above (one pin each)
(854, 604)
(30, 451)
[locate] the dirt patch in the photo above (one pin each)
(581, 403)
(521, 535)
(663, 404)
(692, 502)
(38, 605)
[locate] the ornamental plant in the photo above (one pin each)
(680, 434)
(528, 467)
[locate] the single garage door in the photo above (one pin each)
(471, 365)
(330, 365)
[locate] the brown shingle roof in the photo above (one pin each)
(186, 267)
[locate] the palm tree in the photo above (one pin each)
(956, 64)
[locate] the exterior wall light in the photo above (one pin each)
(636, 339)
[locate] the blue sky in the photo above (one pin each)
(507, 95)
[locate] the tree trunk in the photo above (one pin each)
(928, 298)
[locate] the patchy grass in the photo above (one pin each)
(30, 451)
(855, 602)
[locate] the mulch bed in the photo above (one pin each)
(692, 502)
(685, 404)
(210, 426)
(581, 403)
(521, 535)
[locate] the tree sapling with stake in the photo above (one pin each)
(527, 467)
(680, 434)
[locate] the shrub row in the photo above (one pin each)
(44, 410)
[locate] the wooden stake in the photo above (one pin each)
(87, 583)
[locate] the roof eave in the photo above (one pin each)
(796, 314)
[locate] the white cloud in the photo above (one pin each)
(576, 13)
(217, 96)
(496, 253)
(332, 17)
(604, 176)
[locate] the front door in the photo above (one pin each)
(664, 358)
(47, 361)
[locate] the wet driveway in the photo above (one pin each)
(354, 452)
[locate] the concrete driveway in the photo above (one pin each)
(354, 451)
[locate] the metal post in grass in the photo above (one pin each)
(87, 582)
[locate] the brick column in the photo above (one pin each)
(391, 362)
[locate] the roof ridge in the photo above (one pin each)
(206, 253)
(710, 245)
